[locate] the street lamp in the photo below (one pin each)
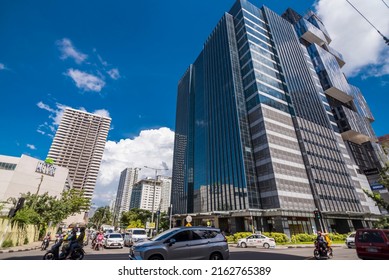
(155, 184)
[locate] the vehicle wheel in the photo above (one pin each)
(316, 254)
(216, 256)
(79, 255)
(266, 246)
(330, 253)
(48, 256)
(243, 245)
(156, 258)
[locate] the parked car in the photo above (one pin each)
(114, 240)
(134, 235)
(255, 240)
(185, 243)
(372, 244)
(350, 240)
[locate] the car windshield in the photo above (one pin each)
(115, 236)
(143, 232)
(165, 234)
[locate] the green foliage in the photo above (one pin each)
(303, 237)
(7, 243)
(230, 239)
(338, 236)
(134, 215)
(278, 237)
(384, 180)
(382, 223)
(40, 210)
(102, 216)
(136, 224)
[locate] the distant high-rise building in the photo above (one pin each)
(266, 129)
(166, 189)
(145, 193)
(79, 146)
(128, 178)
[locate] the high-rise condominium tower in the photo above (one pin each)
(128, 178)
(79, 145)
(267, 126)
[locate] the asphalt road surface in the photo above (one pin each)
(340, 253)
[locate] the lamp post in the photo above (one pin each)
(155, 184)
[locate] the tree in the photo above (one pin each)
(102, 216)
(384, 180)
(135, 214)
(42, 209)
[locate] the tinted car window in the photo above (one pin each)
(165, 234)
(370, 237)
(139, 231)
(115, 236)
(204, 234)
(182, 236)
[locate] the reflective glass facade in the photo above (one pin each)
(256, 133)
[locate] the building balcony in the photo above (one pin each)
(311, 33)
(354, 127)
(338, 94)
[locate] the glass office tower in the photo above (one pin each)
(257, 143)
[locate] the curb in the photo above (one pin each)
(19, 250)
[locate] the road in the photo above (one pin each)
(340, 253)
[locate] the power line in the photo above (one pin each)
(385, 4)
(385, 39)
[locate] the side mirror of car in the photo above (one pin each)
(172, 241)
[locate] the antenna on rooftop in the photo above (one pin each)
(385, 39)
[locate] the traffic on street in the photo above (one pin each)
(236, 253)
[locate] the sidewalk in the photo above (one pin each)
(28, 247)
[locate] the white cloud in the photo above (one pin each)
(2, 66)
(152, 148)
(102, 112)
(32, 147)
(68, 50)
(363, 49)
(114, 73)
(85, 81)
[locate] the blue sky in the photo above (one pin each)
(124, 59)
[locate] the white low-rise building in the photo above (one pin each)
(20, 175)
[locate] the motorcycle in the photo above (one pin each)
(55, 254)
(96, 245)
(321, 252)
(45, 243)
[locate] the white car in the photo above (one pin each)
(134, 235)
(350, 240)
(113, 240)
(257, 240)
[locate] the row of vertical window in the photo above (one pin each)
(329, 170)
(324, 157)
(7, 166)
(267, 101)
(336, 198)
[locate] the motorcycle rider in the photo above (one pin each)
(321, 241)
(46, 241)
(76, 242)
